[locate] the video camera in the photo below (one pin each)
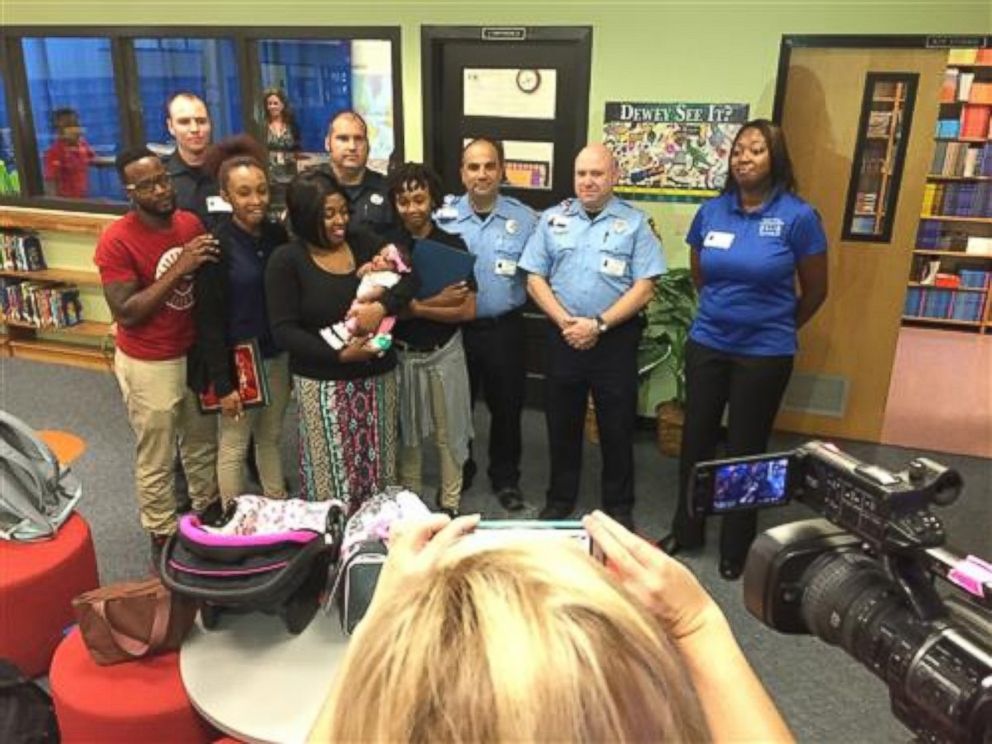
(861, 577)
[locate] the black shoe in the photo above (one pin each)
(469, 469)
(731, 570)
(510, 498)
(555, 511)
(672, 545)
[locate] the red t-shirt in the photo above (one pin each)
(66, 165)
(131, 251)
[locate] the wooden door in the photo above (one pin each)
(841, 379)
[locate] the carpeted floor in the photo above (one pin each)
(824, 694)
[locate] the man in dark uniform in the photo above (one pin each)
(592, 264)
(348, 145)
(189, 124)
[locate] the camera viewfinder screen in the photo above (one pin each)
(748, 484)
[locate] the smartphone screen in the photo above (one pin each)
(501, 531)
(745, 483)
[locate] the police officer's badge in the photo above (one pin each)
(620, 226)
(512, 226)
(376, 199)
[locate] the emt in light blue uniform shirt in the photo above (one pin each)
(495, 228)
(592, 263)
(748, 247)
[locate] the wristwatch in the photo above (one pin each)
(601, 325)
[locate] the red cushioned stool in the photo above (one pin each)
(37, 583)
(141, 700)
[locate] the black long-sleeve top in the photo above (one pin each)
(230, 305)
(304, 298)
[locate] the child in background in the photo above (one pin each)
(67, 160)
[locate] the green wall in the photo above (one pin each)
(665, 50)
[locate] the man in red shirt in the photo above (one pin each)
(69, 157)
(147, 260)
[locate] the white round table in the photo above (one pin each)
(253, 680)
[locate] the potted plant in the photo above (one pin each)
(661, 356)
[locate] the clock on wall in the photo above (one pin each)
(528, 80)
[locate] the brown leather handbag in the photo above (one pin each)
(127, 621)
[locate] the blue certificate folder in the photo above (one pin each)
(439, 265)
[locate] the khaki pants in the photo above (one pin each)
(410, 459)
(265, 425)
(161, 410)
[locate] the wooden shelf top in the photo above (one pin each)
(951, 289)
(938, 177)
(68, 276)
(956, 254)
(978, 140)
(91, 328)
(945, 321)
(30, 218)
(954, 218)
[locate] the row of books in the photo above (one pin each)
(43, 305)
(961, 86)
(937, 236)
(958, 199)
(21, 251)
(961, 159)
(943, 304)
(927, 271)
(973, 122)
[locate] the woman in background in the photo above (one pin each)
(751, 247)
(230, 309)
(282, 138)
(347, 398)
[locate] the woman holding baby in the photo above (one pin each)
(346, 392)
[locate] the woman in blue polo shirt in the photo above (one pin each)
(749, 245)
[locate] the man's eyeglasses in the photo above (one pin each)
(149, 184)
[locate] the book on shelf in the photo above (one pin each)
(21, 251)
(980, 93)
(948, 281)
(965, 81)
(962, 56)
(949, 86)
(978, 246)
(974, 279)
(948, 128)
(975, 121)
(40, 304)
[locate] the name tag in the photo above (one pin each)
(217, 204)
(770, 227)
(613, 266)
(719, 240)
(505, 267)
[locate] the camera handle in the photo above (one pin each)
(914, 581)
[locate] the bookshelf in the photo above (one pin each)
(86, 343)
(950, 282)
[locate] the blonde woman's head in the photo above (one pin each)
(510, 644)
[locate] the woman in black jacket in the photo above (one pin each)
(231, 309)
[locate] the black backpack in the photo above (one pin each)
(26, 712)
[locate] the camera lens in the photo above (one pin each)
(840, 586)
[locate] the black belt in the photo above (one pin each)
(403, 346)
(481, 324)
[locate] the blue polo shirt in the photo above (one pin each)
(591, 263)
(748, 260)
(497, 242)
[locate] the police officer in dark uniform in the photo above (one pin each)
(592, 263)
(495, 228)
(347, 143)
(196, 191)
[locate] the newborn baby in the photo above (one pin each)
(381, 273)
